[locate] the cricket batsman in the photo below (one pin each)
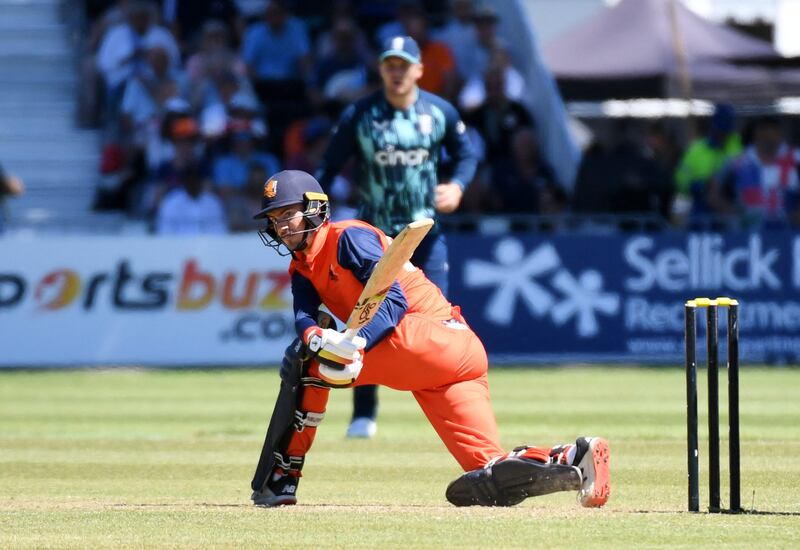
(417, 342)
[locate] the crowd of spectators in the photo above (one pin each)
(200, 100)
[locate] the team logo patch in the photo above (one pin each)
(314, 343)
(425, 124)
(271, 189)
(460, 127)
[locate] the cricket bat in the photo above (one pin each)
(386, 271)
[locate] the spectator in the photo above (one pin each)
(116, 180)
(124, 171)
(762, 183)
(160, 144)
(277, 53)
(10, 186)
(240, 206)
(277, 49)
(251, 9)
(660, 143)
(190, 208)
(212, 63)
(474, 91)
(497, 118)
(234, 106)
(187, 17)
(188, 154)
(486, 20)
(341, 75)
(315, 134)
(459, 34)
(231, 171)
(343, 10)
(403, 10)
(244, 113)
(151, 145)
(702, 160)
(100, 16)
(525, 184)
(623, 178)
(147, 92)
(213, 101)
(439, 74)
(122, 53)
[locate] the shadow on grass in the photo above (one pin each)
(250, 505)
(720, 512)
(431, 507)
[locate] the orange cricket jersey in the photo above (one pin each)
(431, 352)
(339, 289)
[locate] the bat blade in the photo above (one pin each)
(386, 271)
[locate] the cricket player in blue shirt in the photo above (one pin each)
(399, 136)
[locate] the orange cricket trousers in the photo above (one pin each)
(444, 365)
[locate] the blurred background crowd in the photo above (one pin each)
(198, 101)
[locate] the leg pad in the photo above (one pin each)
(510, 481)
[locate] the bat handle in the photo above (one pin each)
(350, 333)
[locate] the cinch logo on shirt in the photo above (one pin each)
(392, 157)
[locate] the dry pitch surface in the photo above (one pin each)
(122, 458)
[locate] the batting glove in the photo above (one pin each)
(340, 358)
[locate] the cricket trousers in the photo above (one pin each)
(431, 257)
(444, 365)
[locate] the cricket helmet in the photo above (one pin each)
(290, 187)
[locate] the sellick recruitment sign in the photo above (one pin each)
(620, 297)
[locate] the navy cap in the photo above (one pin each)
(286, 188)
(403, 47)
(724, 117)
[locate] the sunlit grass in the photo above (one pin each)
(94, 459)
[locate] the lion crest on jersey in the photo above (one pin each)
(271, 188)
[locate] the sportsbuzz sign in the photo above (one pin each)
(142, 301)
(227, 300)
(620, 297)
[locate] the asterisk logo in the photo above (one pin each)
(514, 276)
(583, 297)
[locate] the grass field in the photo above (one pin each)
(122, 458)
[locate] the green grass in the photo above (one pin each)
(127, 458)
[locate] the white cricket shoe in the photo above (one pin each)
(592, 458)
(362, 428)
